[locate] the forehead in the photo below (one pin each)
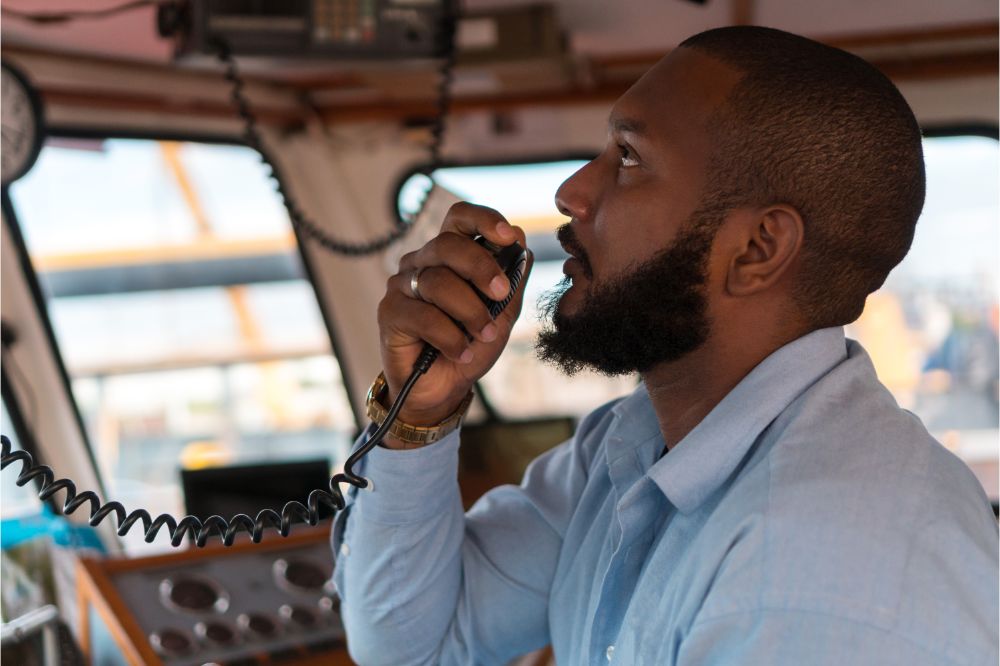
(675, 97)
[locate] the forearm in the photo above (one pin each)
(423, 583)
(398, 558)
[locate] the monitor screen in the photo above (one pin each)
(227, 491)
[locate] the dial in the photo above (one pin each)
(258, 625)
(216, 632)
(21, 124)
(299, 574)
(171, 642)
(193, 594)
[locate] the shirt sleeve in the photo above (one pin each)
(422, 583)
(802, 637)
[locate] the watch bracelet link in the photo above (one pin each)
(410, 434)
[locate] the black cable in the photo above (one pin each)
(252, 136)
(200, 530)
(227, 529)
(513, 260)
(303, 224)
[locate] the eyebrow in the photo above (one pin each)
(623, 125)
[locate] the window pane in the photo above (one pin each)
(180, 306)
(932, 329)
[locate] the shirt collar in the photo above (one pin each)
(701, 462)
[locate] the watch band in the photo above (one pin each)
(410, 434)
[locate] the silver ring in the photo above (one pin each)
(415, 284)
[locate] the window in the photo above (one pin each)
(182, 312)
(931, 331)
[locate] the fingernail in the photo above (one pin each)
(466, 356)
(498, 286)
(505, 230)
(489, 332)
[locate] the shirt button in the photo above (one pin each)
(610, 652)
(345, 549)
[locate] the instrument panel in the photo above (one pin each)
(249, 604)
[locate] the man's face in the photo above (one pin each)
(637, 230)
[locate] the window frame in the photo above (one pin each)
(423, 168)
(40, 303)
(25, 437)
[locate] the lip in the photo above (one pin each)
(573, 267)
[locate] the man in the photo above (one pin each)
(760, 499)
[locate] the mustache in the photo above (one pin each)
(569, 241)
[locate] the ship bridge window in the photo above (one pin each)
(931, 330)
(183, 313)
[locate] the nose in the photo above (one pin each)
(575, 196)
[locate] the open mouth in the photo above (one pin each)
(578, 263)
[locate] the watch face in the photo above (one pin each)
(20, 117)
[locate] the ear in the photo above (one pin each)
(765, 244)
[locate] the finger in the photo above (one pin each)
(510, 313)
(442, 287)
(468, 259)
(417, 320)
(470, 219)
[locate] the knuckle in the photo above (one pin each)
(456, 343)
(493, 213)
(407, 259)
(382, 312)
(430, 280)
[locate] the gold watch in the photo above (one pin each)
(410, 434)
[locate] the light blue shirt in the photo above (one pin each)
(806, 520)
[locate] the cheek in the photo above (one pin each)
(632, 232)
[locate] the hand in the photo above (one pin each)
(447, 264)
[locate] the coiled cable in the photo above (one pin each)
(304, 225)
(513, 261)
(200, 530)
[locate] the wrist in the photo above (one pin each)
(414, 428)
(431, 416)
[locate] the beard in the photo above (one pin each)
(655, 312)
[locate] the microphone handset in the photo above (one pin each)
(512, 259)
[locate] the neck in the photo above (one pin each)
(683, 392)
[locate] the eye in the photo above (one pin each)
(627, 157)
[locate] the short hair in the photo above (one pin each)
(824, 131)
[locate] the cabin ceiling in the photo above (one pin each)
(120, 62)
(594, 27)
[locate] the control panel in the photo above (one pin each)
(342, 29)
(248, 604)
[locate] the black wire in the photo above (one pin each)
(303, 224)
(200, 530)
(306, 227)
(512, 258)
(49, 18)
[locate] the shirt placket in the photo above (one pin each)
(636, 513)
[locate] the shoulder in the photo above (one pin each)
(866, 517)
(844, 450)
